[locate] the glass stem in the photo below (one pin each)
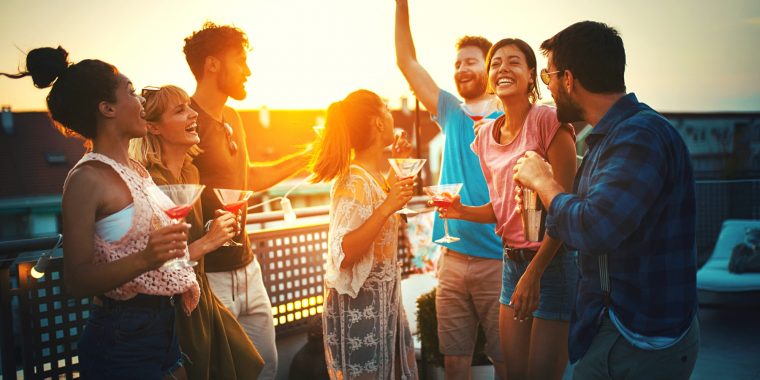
(446, 227)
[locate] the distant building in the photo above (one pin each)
(35, 157)
(34, 161)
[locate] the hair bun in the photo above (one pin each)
(46, 64)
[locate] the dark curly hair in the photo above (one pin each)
(212, 40)
(77, 89)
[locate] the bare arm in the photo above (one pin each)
(406, 58)
(478, 214)
(264, 175)
(561, 156)
(357, 242)
(81, 198)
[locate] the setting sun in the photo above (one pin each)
(307, 54)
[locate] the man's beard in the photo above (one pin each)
(231, 88)
(568, 111)
(472, 89)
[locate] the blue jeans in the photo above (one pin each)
(129, 343)
(558, 285)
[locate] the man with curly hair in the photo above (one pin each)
(217, 56)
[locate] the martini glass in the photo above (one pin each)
(442, 196)
(406, 168)
(232, 201)
(479, 110)
(176, 207)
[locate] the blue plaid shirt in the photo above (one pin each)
(633, 200)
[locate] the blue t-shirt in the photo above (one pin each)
(461, 165)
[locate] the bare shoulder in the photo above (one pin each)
(97, 183)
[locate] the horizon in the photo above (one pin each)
(681, 56)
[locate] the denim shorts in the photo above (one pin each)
(129, 343)
(558, 285)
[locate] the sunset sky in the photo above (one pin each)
(682, 55)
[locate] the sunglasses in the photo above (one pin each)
(545, 75)
(149, 90)
(232, 145)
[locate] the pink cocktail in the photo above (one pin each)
(442, 197)
(178, 212)
(177, 205)
(234, 207)
(233, 201)
(442, 201)
(479, 110)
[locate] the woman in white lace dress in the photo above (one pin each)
(366, 332)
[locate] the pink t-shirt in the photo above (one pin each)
(497, 160)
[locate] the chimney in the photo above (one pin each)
(7, 120)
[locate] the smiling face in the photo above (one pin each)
(173, 122)
(470, 73)
(509, 74)
(128, 108)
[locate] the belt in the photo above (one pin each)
(519, 255)
(142, 301)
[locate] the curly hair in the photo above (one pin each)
(212, 40)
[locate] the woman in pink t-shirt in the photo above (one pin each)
(539, 278)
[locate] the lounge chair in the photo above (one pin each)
(716, 286)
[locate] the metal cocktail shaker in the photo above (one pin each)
(533, 215)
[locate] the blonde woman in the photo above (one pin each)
(211, 338)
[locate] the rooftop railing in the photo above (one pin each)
(40, 324)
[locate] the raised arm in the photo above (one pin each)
(406, 58)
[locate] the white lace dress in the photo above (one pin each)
(366, 332)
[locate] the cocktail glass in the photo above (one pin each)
(442, 196)
(480, 110)
(406, 168)
(176, 207)
(233, 200)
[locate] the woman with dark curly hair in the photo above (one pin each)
(117, 236)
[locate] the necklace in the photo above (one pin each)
(226, 127)
(378, 177)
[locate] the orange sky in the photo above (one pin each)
(682, 56)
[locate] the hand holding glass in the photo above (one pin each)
(406, 168)
(176, 207)
(442, 196)
(232, 201)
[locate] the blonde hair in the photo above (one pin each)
(147, 150)
(346, 128)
